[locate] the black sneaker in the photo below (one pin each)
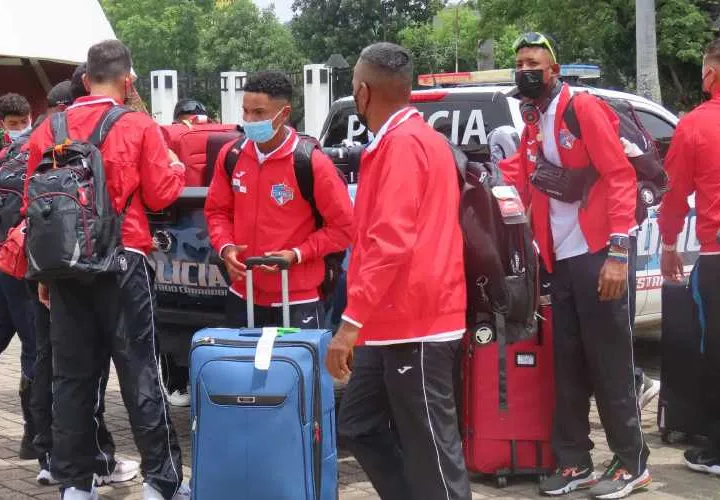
(617, 482)
(703, 460)
(566, 480)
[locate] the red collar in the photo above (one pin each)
(397, 119)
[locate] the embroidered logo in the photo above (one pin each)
(282, 194)
(566, 139)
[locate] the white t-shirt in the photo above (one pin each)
(568, 238)
(262, 156)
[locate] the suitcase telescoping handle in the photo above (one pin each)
(252, 262)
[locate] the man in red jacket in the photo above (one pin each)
(693, 165)
(260, 210)
(406, 295)
(113, 313)
(583, 235)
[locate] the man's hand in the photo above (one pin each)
(44, 295)
(340, 353)
(613, 279)
(172, 156)
(231, 255)
(288, 256)
(672, 265)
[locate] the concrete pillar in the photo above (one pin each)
(231, 96)
(317, 97)
(163, 94)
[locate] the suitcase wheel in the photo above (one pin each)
(502, 482)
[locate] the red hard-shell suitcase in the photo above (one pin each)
(191, 143)
(508, 403)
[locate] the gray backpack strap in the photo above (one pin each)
(107, 120)
(59, 127)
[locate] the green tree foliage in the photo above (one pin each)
(242, 37)
(198, 35)
(433, 44)
(162, 34)
(324, 27)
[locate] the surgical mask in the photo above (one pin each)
(530, 83)
(16, 134)
(261, 131)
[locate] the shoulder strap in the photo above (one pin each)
(107, 120)
(304, 174)
(571, 119)
(59, 127)
(232, 156)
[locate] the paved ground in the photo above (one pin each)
(17, 478)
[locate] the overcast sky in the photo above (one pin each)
(283, 8)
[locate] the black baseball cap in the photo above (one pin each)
(60, 94)
(189, 107)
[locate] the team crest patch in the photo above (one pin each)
(566, 139)
(282, 194)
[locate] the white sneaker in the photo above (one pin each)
(179, 398)
(46, 479)
(150, 493)
(76, 494)
(649, 389)
(125, 470)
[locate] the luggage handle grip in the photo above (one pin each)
(284, 266)
(251, 262)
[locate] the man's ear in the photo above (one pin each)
(555, 69)
(288, 110)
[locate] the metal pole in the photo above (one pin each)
(457, 35)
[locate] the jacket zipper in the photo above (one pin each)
(317, 404)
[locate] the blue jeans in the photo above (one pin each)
(16, 316)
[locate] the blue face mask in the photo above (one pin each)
(262, 131)
(16, 134)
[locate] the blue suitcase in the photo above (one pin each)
(262, 434)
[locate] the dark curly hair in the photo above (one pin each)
(275, 84)
(13, 105)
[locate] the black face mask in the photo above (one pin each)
(530, 83)
(360, 116)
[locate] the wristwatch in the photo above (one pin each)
(619, 241)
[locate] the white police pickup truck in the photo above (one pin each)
(467, 114)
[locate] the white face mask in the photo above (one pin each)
(15, 134)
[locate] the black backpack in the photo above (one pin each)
(501, 263)
(13, 170)
(651, 176)
(72, 228)
(302, 158)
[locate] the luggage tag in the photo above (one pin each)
(511, 206)
(263, 352)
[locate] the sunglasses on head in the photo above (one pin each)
(534, 39)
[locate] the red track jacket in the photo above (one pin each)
(263, 208)
(611, 202)
(406, 281)
(136, 163)
(693, 165)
